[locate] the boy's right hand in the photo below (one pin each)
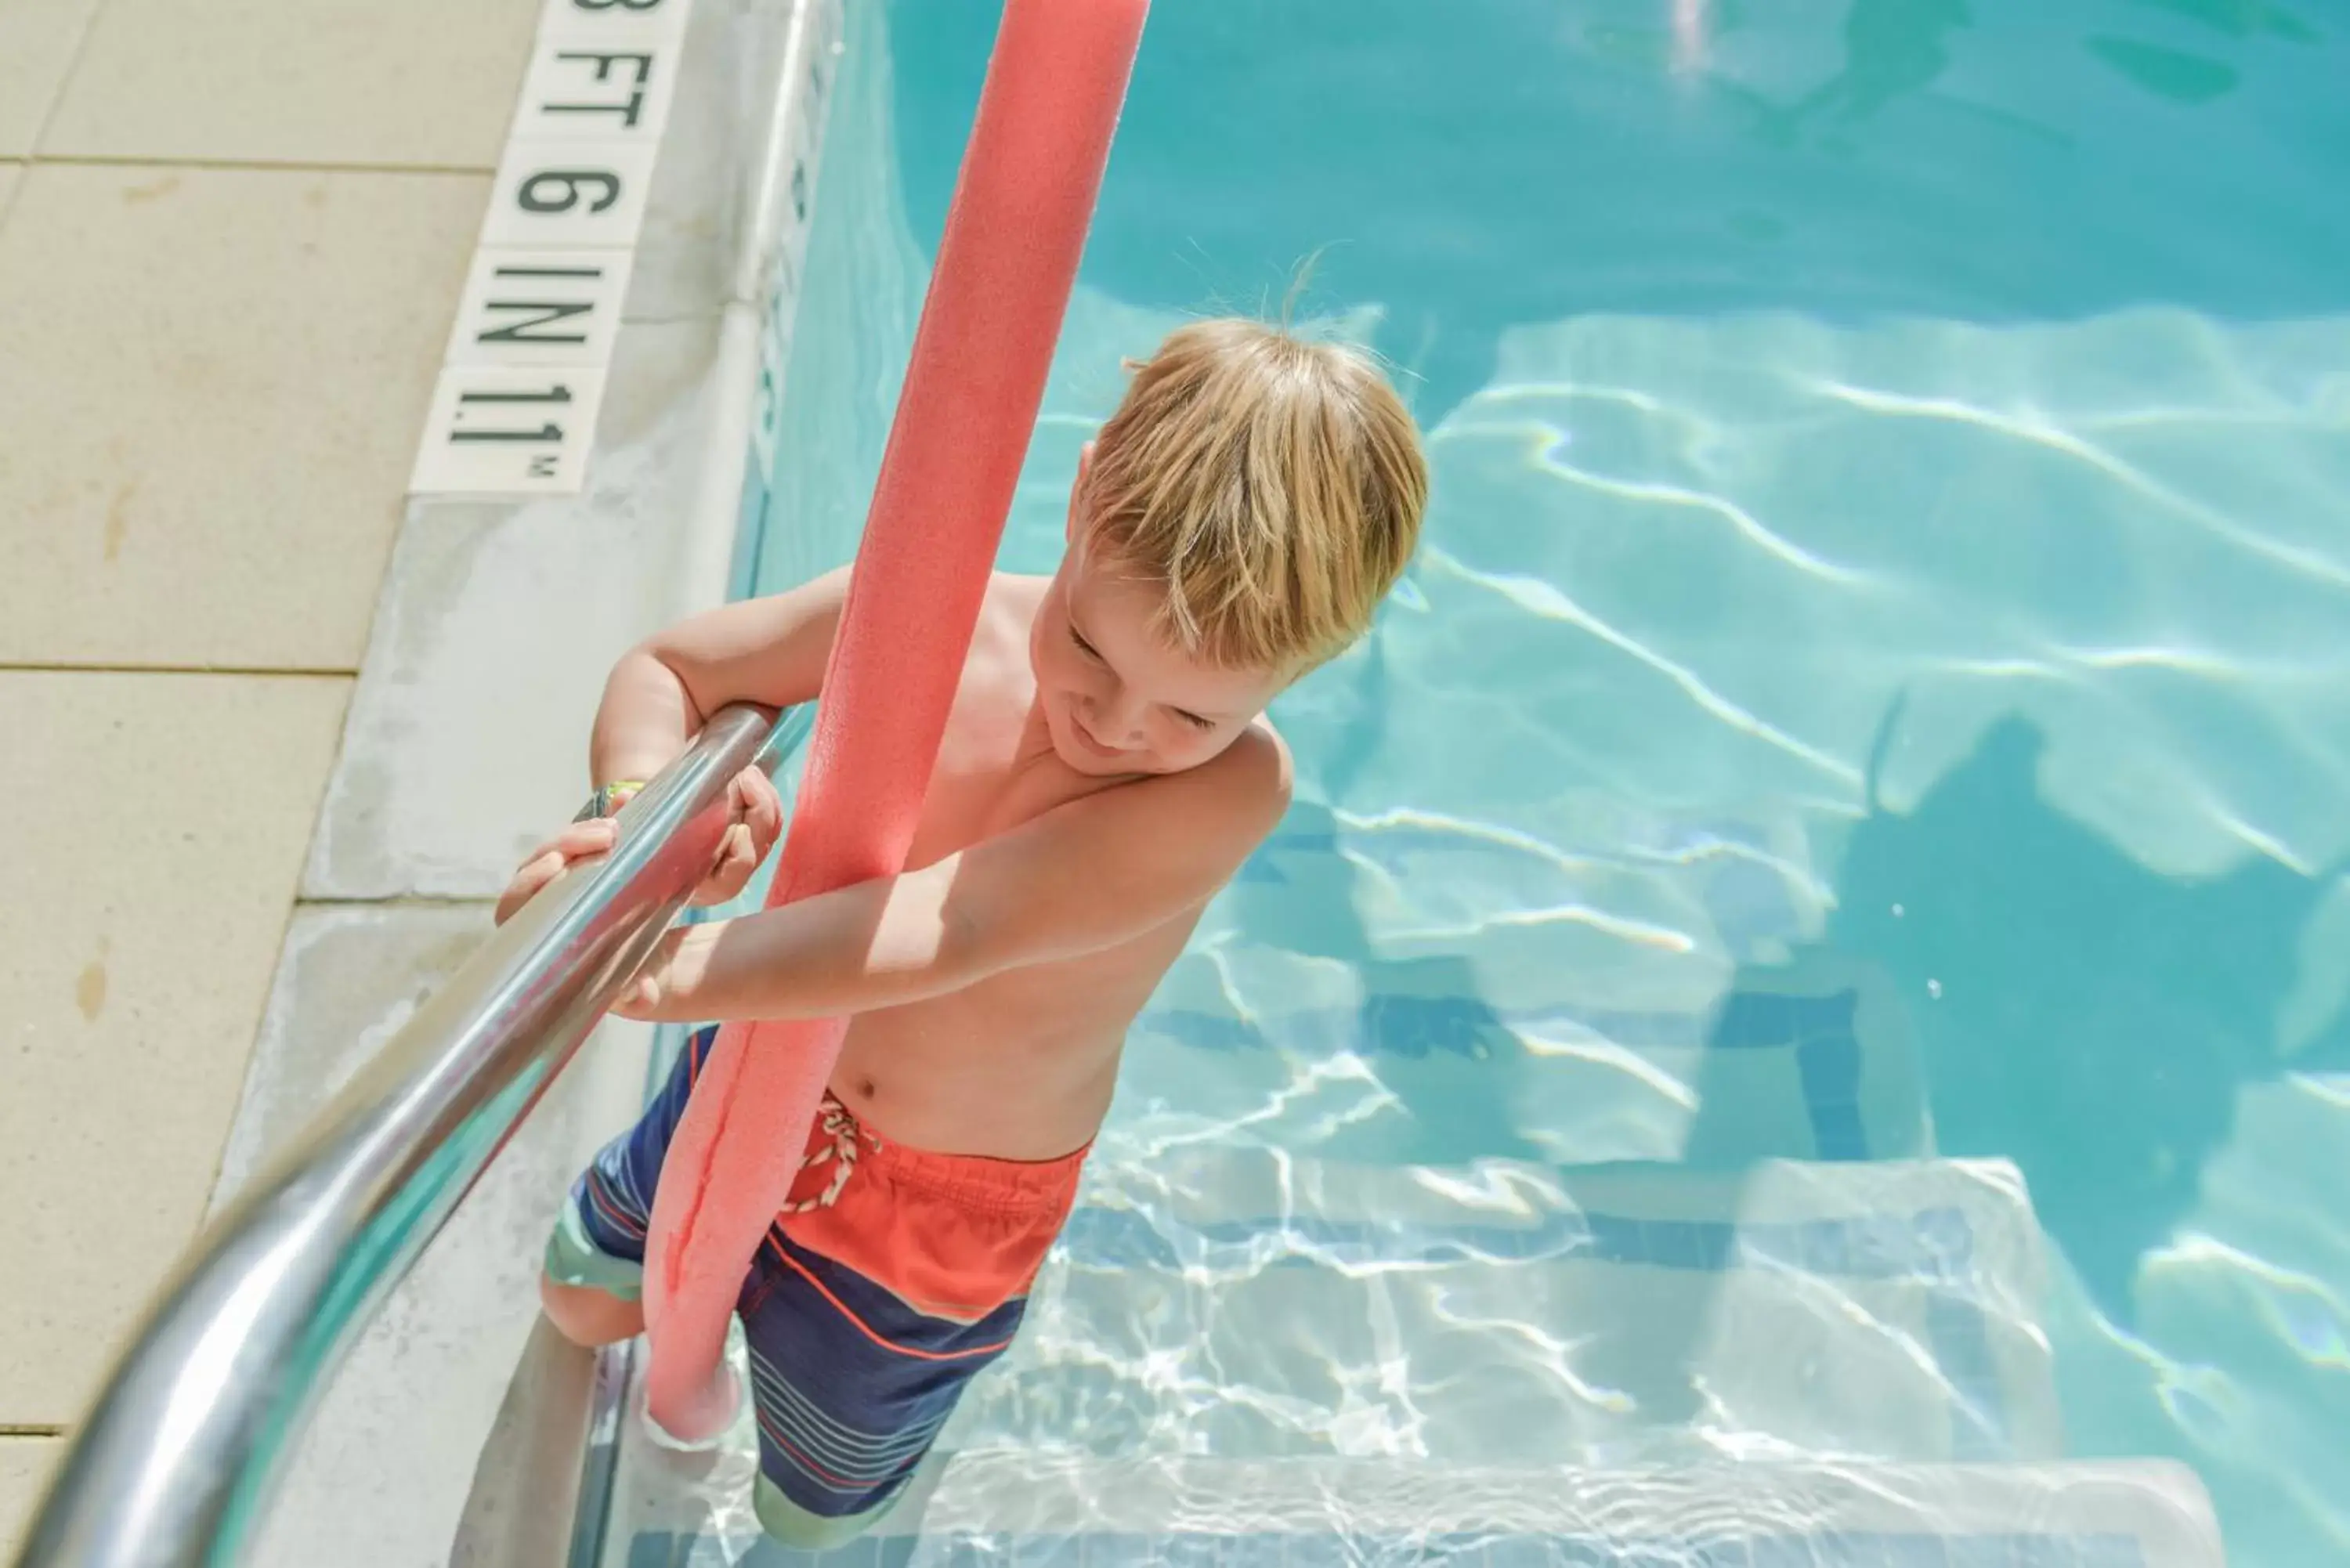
(581, 841)
(757, 821)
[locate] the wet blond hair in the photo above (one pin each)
(1272, 486)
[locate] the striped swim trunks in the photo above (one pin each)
(892, 1276)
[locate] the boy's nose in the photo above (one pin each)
(1119, 719)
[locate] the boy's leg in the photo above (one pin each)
(851, 1387)
(588, 1316)
(592, 1281)
(593, 1273)
(874, 1302)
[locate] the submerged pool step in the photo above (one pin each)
(1239, 1301)
(985, 1510)
(1813, 1059)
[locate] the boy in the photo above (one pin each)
(1106, 769)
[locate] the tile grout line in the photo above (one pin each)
(35, 152)
(65, 81)
(264, 166)
(24, 167)
(396, 901)
(211, 1185)
(31, 1430)
(63, 666)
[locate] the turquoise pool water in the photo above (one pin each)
(1877, 684)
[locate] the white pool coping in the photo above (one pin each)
(465, 744)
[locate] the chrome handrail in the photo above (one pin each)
(174, 1463)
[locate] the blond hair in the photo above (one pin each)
(1272, 486)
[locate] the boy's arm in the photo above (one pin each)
(1082, 877)
(769, 651)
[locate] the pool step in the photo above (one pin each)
(982, 1509)
(1239, 1301)
(1810, 1059)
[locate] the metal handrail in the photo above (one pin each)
(174, 1464)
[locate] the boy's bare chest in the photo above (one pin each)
(991, 775)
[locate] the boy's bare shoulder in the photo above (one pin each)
(1007, 611)
(1261, 757)
(1236, 797)
(1015, 595)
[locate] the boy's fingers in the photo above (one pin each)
(759, 820)
(764, 808)
(534, 874)
(591, 837)
(737, 857)
(757, 805)
(578, 841)
(580, 838)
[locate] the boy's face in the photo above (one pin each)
(1116, 698)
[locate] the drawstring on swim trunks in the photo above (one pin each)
(844, 1131)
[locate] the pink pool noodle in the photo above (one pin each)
(1005, 267)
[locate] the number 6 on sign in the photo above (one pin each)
(560, 194)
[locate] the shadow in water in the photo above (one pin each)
(2079, 1014)
(1892, 48)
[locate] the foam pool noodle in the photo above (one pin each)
(1005, 268)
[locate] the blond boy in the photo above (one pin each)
(1106, 769)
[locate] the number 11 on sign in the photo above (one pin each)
(495, 431)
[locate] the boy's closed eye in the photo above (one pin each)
(1196, 721)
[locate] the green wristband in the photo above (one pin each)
(608, 799)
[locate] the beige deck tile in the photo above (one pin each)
(428, 83)
(36, 48)
(24, 1468)
(349, 977)
(212, 383)
(158, 827)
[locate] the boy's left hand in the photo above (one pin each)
(756, 813)
(665, 983)
(758, 821)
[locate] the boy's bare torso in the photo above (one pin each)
(1021, 1066)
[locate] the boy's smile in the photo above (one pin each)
(1116, 697)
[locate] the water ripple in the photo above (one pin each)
(2054, 438)
(1545, 441)
(1547, 600)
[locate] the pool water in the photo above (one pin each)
(1875, 692)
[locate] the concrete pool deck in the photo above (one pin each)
(281, 727)
(231, 241)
